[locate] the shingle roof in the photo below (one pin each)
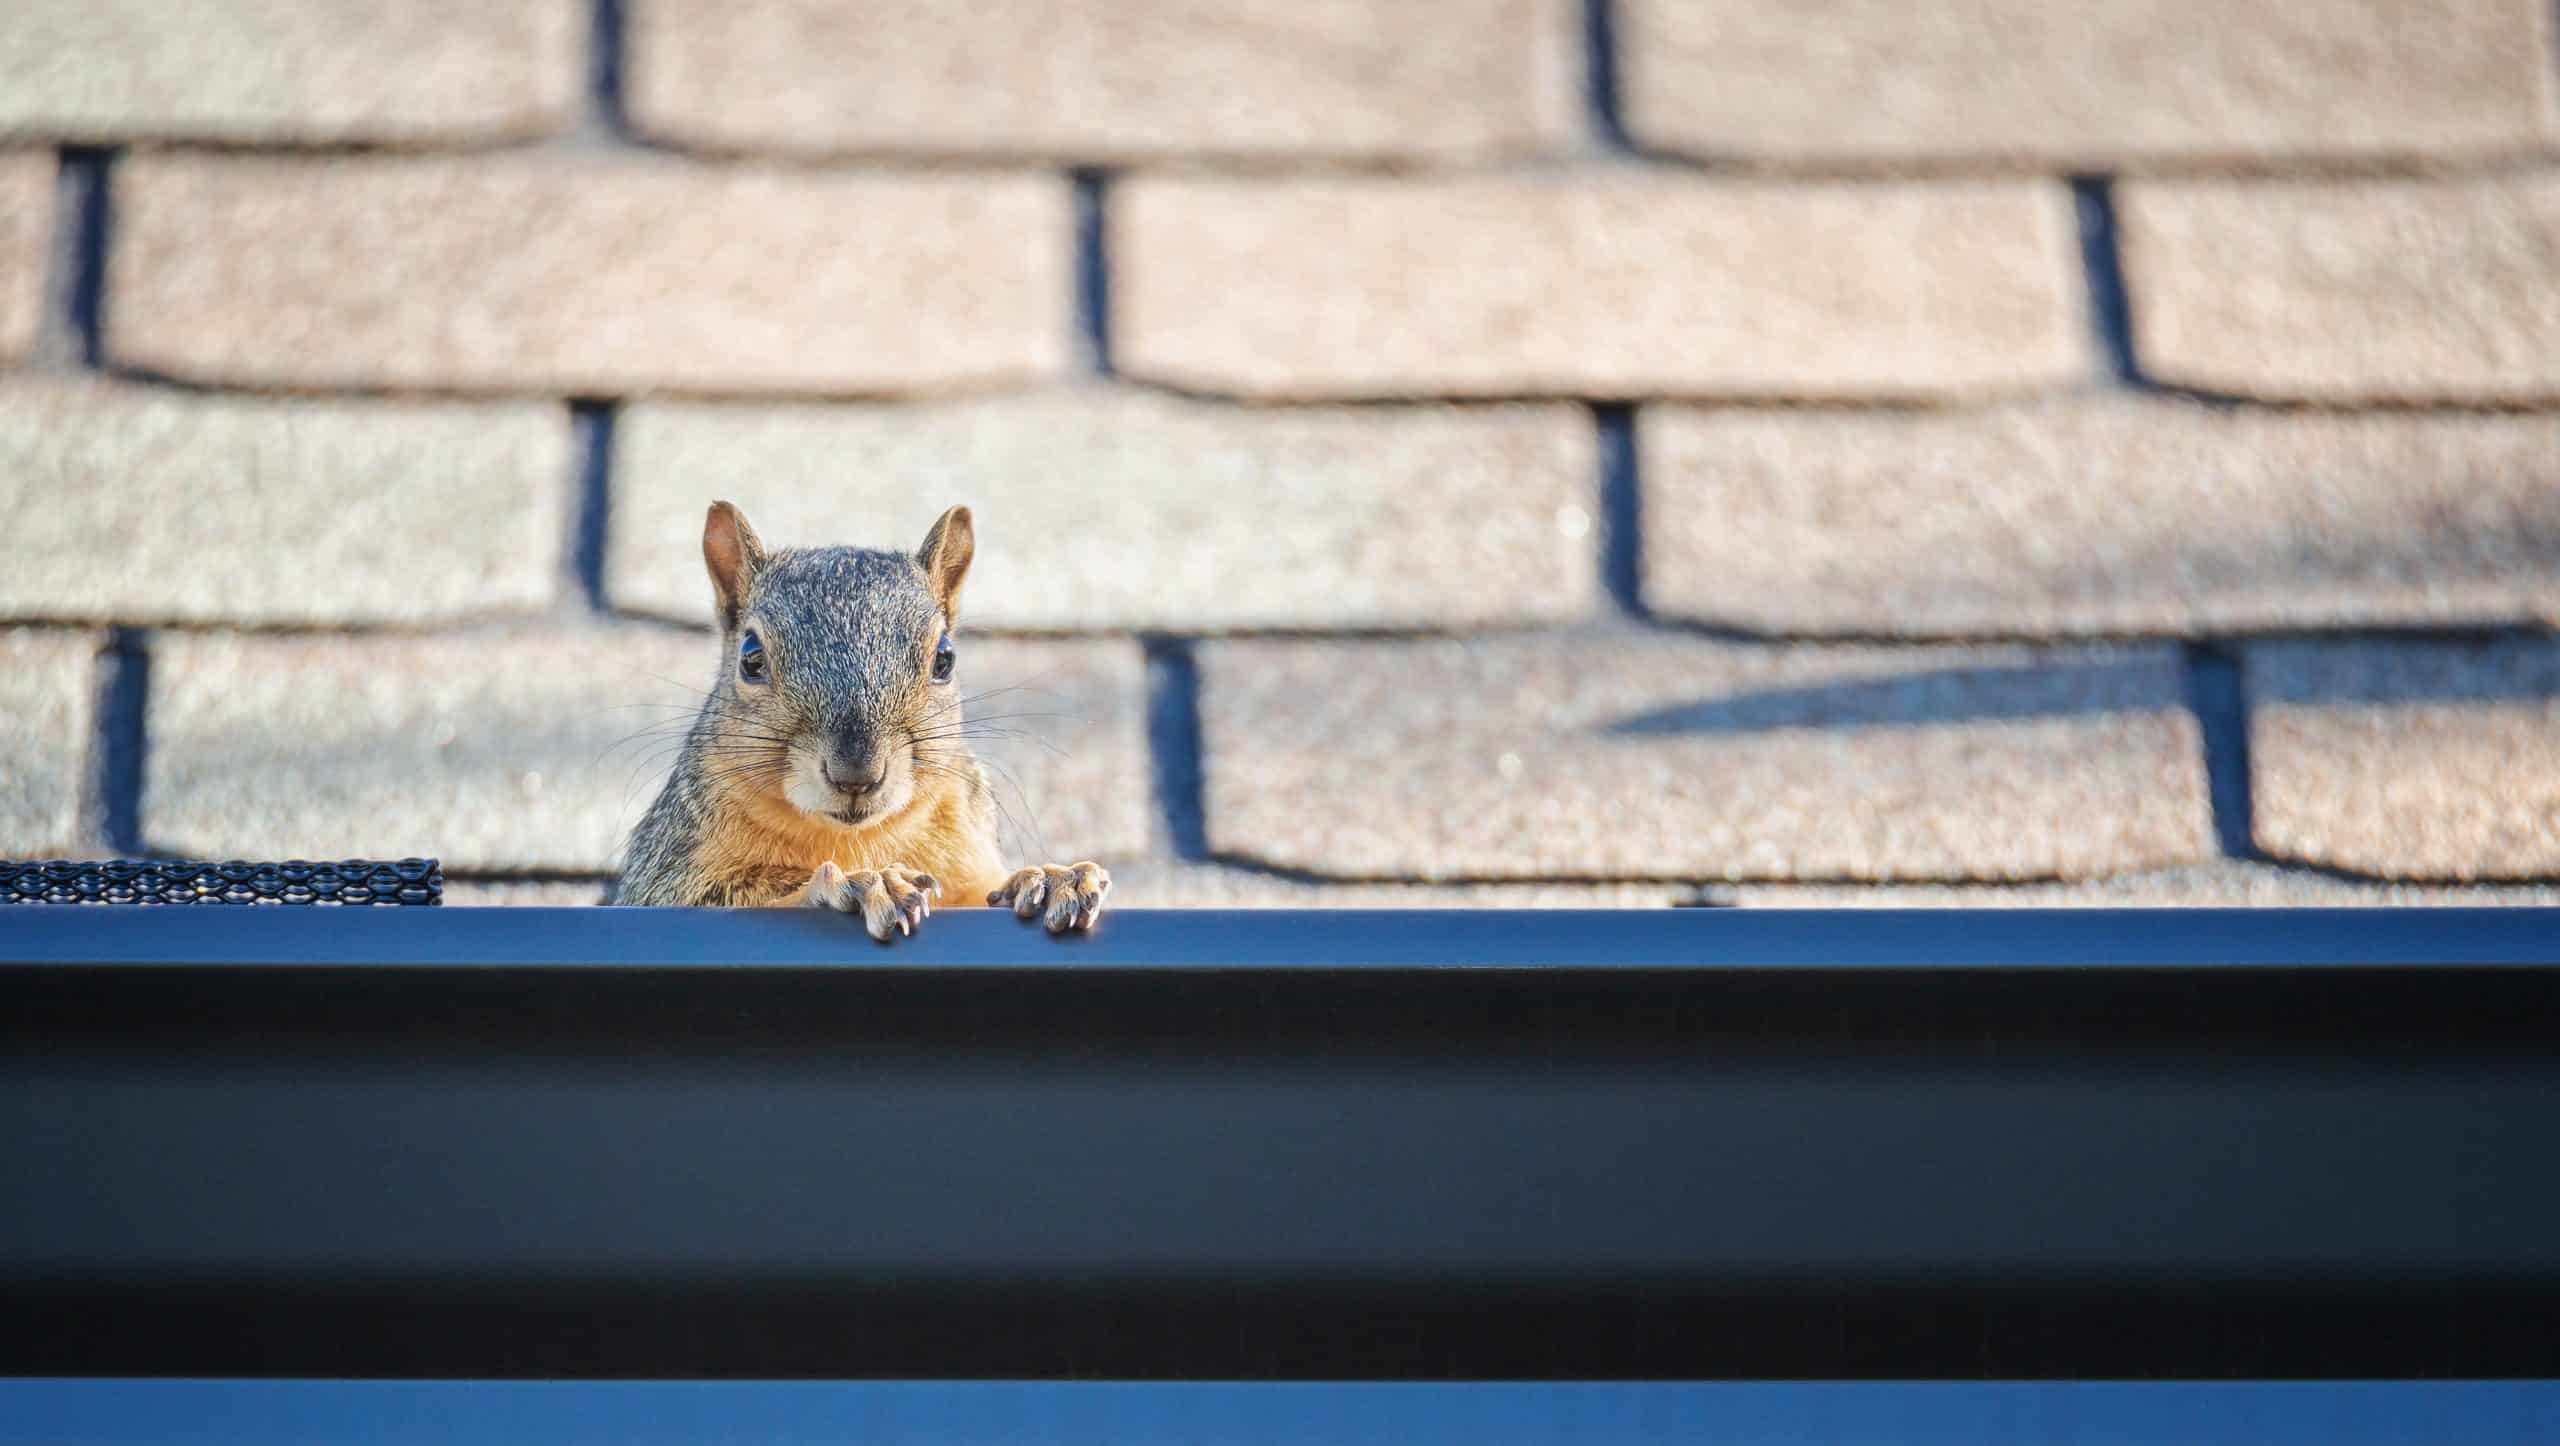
(1501, 451)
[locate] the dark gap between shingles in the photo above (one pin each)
(119, 746)
(1173, 745)
(76, 324)
(1093, 271)
(591, 501)
(2215, 693)
(2102, 262)
(1600, 76)
(605, 69)
(1621, 508)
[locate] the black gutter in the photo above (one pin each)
(1688, 1144)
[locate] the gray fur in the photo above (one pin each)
(848, 630)
(849, 626)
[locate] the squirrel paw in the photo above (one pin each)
(891, 901)
(1061, 896)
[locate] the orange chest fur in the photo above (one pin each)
(771, 840)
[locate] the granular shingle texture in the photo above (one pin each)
(524, 893)
(142, 504)
(1102, 508)
(1615, 284)
(48, 693)
(1110, 79)
(26, 244)
(2088, 85)
(1160, 884)
(291, 71)
(1062, 730)
(1393, 417)
(1647, 756)
(536, 749)
(2225, 884)
(534, 274)
(491, 751)
(2341, 291)
(2107, 516)
(2408, 759)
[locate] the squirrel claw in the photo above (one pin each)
(890, 899)
(1062, 897)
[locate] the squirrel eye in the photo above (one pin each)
(943, 659)
(751, 657)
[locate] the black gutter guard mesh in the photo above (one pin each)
(296, 881)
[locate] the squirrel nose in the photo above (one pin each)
(859, 775)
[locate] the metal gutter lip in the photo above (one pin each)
(1275, 939)
(1409, 1413)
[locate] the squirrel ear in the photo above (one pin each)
(733, 555)
(945, 557)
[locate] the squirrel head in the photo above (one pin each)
(837, 691)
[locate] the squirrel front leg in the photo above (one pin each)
(1062, 896)
(891, 900)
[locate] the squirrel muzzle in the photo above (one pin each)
(860, 777)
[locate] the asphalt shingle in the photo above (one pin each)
(536, 749)
(1064, 736)
(603, 278)
(2223, 884)
(1610, 285)
(48, 693)
(2089, 85)
(26, 247)
(1109, 79)
(2412, 759)
(524, 893)
(1112, 508)
(142, 504)
(1652, 756)
(828, 260)
(1163, 884)
(2110, 515)
(291, 71)
(2344, 291)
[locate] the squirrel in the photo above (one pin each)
(830, 766)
